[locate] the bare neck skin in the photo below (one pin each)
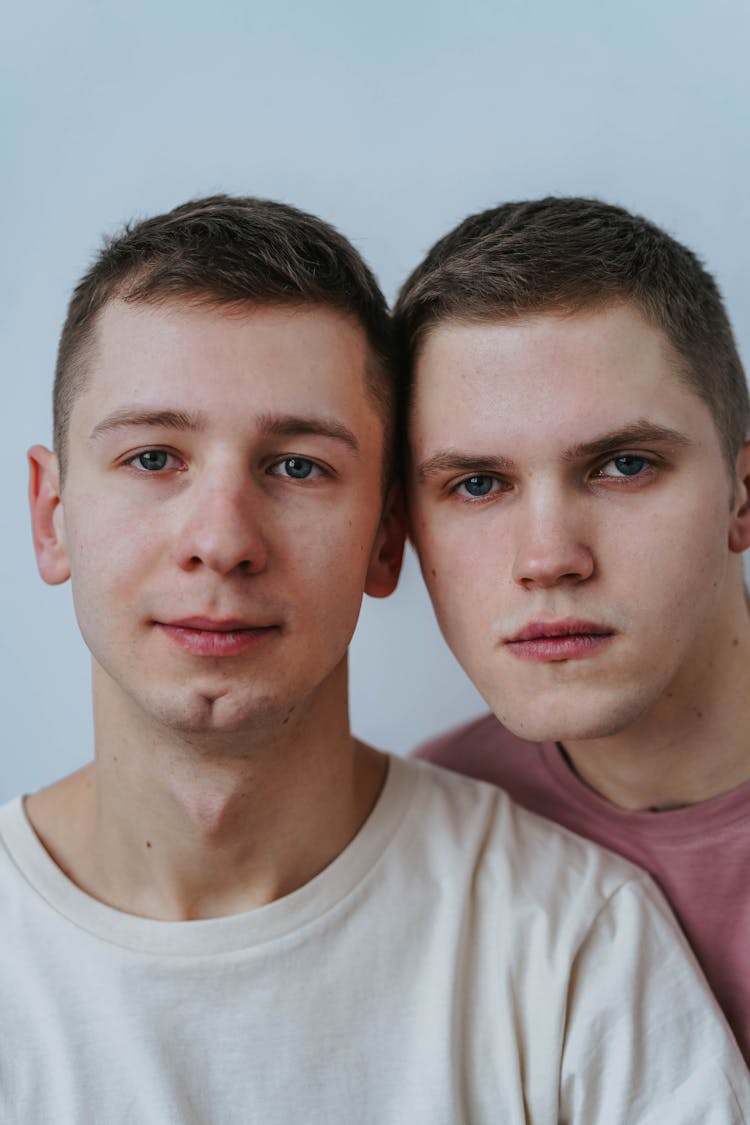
(695, 744)
(180, 827)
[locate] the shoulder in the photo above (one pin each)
(12, 823)
(485, 749)
(515, 856)
(483, 731)
(17, 853)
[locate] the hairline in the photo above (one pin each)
(685, 367)
(79, 363)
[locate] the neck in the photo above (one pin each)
(694, 745)
(177, 827)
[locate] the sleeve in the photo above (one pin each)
(645, 1041)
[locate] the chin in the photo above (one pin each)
(218, 713)
(568, 722)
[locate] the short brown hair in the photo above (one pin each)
(227, 250)
(561, 255)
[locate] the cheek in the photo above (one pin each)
(110, 551)
(695, 581)
(665, 574)
(323, 562)
(461, 577)
(684, 545)
(434, 552)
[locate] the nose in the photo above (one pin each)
(552, 545)
(221, 526)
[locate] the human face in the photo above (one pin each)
(222, 511)
(571, 509)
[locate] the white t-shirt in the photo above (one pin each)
(460, 962)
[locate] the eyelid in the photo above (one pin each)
(497, 482)
(131, 457)
(277, 462)
(650, 460)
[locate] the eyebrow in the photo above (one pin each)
(291, 425)
(641, 432)
(452, 460)
(154, 419)
(282, 425)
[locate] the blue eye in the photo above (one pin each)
(478, 485)
(629, 466)
(153, 459)
(298, 467)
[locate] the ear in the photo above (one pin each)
(47, 521)
(739, 527)
(388, 551)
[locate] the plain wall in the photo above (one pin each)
(392, 121)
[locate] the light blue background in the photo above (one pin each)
(391, 120)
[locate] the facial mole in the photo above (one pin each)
(433, 572)
(148, 843)
(287, 717)
(735, 642)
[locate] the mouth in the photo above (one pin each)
(204, 636)
(549, 641)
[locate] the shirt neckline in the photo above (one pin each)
(213, 935)
(722, 811)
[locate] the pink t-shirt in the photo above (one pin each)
(699, 856)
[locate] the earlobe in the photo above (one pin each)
(47, 520)
(739, 528)
(388, 552)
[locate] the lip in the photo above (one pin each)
(567, 639)
(205, 636)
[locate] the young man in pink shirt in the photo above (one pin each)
(578, 490)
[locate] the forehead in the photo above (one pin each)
(212, 357)
(548, 378)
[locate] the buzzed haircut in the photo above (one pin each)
(233, 251)
(564, 255)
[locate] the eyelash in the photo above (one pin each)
(467, 498)
(317, 470)
(623, 479)
(131, 461)
(648, 463)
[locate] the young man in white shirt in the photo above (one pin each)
(237, 911)
(579, 482)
